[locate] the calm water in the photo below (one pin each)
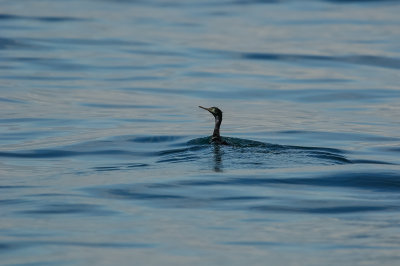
(104, 154)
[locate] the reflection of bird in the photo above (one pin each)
(217, 113)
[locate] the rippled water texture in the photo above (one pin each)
(106, 159)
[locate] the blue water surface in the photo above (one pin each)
(105, 158)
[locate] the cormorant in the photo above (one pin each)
(217, 113)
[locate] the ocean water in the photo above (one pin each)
(105, 156)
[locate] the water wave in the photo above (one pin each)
(240, 154)
(260, 192)
(11, 245)
(367, 60)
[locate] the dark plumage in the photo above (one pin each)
(217, 113)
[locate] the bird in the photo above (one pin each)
(217, 113)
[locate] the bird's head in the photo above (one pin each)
(215, 111)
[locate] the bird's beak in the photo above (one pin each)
(208, 109)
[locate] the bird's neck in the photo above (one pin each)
(216, 134)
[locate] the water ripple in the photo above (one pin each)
(65, 153)
(88, 42)
(40, 18)
(119, 167)
(55, 209)
(10, 245)
(210, 193)
(367, 60)
(323, 210)
(241, 154)
(156, 139)
(376, 181)
(7, 43)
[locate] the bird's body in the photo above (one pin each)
(217, 113)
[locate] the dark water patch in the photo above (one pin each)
(186, 158)
(181, 155)
(156, 139)
(50, 195)
(41, 78)
(322, 210)
(8, 100)
(158, 53)
(10, 245)
(234, 142)
(240, 198)
(333, 21)
(180, 150)
(142, 68)
(317, 149)
(390, 149)
(207, 74)
(388, 181)
(367, 60)
(66, 153)
(208, 182)
(24, 135)
(50, 63)
(119, 167)
(171, 195)
(57, 19)
(331, 157)
(291, 245)
(38, 154)
(319, 80)
(358, 161)
(40, 18)
(5, 202)
(7, 43)
(106, 168)
(377, 61)
(15, 187)
(81, 209)
(132, 193)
